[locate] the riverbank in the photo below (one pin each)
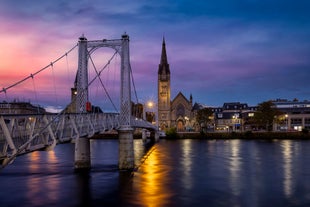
(240, 135)
(218, 135)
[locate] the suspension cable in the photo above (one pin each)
(104, 67)
(133, 83)
(67, 63)
(4, 90)
(98, 75)
(35, 93)
(54, 83)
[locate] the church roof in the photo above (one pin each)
(163, 66)
(180, 96)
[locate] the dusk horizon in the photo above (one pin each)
(243, 51)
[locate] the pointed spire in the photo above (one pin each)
(163, 66)
(163, 59)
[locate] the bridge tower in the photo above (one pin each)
(82, 144)
(125, 131)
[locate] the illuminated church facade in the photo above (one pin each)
(176, 113)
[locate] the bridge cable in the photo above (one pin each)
(104, 67)
(54, 83)
(98, 75)
(35, 93)
(4, 90)
(133, 83)
(68, 72)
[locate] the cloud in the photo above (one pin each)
(217, 50)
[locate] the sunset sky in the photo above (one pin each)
(219, 51)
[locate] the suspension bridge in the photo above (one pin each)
(77, 122)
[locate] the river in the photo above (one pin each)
(185, 172)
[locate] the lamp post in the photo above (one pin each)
(153, 108)
(286, 120)
(234, 118)
(234, 122)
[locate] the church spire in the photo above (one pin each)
(163, 66)
(163, 59)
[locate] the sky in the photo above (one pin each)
(246, 51)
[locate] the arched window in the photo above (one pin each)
(180, 110)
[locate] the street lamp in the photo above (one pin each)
(150, 104)
(286, 120)
(186, 123)
(233, 122)
(153, 106)
(235, 118)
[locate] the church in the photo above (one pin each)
(176, 113)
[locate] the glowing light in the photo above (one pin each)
(235, 165)
(150, 104)
(287, 165)
(151, 182)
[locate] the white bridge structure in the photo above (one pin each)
(24, 133)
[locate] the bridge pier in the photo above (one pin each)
(144, 135)
(156, 136)
(126, 149)
(82, 153)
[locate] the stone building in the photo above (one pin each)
(17, 107)
(176, 113)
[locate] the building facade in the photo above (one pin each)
(295, 117)
(20, 108)
(176, 113)
(233, 117)
(164, 91)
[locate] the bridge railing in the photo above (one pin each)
(22, 133)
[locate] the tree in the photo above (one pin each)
(203, 116)
(266, 114)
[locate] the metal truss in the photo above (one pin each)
(20, 134)
(86, 48)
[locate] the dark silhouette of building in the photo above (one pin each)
(16, 107)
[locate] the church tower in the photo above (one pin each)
(163, 94)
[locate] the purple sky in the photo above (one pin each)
(219, 51)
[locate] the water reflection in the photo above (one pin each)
(52, 182)
(174, 173)
(235, 166)
(34, 161)
(151, 181)
(186, 163)
(287, 152)
(39, 180)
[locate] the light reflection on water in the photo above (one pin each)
(151, 181)
(287, 167)
(171, 173)
(186, 163)
(223, 173)
(235, 161)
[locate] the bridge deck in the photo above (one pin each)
(23, 133)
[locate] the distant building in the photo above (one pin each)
(236, 116)
(71, 108)
(233, 117)
(20, 108)
(296, 115)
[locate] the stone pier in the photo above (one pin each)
(82, 153)
(126, 149)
